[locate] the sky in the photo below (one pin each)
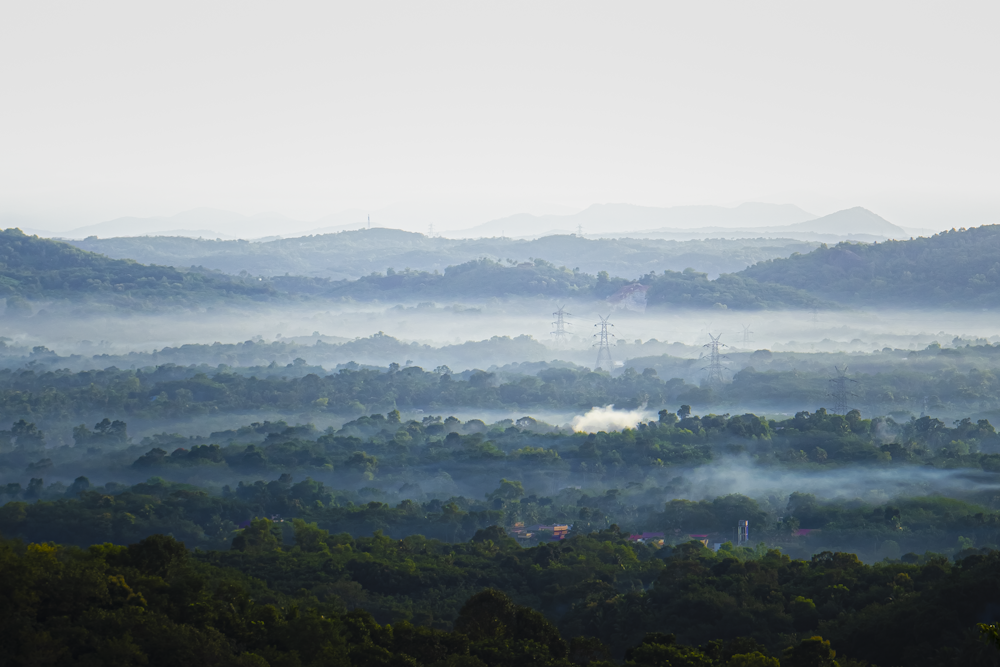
(477, 110)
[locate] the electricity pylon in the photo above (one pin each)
(603, 345)
(841, 393)
(746, 336)
(716, 374)
(560, 324)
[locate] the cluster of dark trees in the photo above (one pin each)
(309, 597)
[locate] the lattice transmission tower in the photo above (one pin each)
(716, 373)
(841, 391)
(746, 336)
(603, 345)
(560, 324)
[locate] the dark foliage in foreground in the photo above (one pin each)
(263, 603)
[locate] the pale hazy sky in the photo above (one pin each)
(110, 109)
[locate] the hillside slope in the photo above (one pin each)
(955, 268)
(43, 270)
(37, 269)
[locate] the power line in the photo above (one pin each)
(840, 392)
(716, 373)
(560, 324)
(603, 345)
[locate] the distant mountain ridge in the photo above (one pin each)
(750, 220)
(352, 254)
(600, 218)
(210, 222)
(857, 220)
(680, 223)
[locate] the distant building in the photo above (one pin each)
(554, 532)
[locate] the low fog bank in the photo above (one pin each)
(438, 324)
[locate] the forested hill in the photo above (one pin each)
(484, 278)
(352, 254)
(39, 269)
(36, 269)
(954, 268)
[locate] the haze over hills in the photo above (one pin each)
(203, 222)
(45, 271)
(958, 269)
(750, 220)
(217, 223)
(689, 222)
(618, 218)
(353, 254)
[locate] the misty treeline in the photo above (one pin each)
(294, 357)
(953, 381)
(208, 517)
(300, 595)
(390, 445)
(381, 473)
(352, 254)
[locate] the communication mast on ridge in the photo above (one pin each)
(716, 373)
(746, 336)
(603, 345)
(560, 324)
(840, 392)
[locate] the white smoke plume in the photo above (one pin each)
(608, 419)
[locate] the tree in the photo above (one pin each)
(258, 537)
(508, 490)
(812, 652)
(667, 417)
(489, 614)
(659, 649)
(157, 554)
(27, 435)
(79, 485)
(755, 659)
